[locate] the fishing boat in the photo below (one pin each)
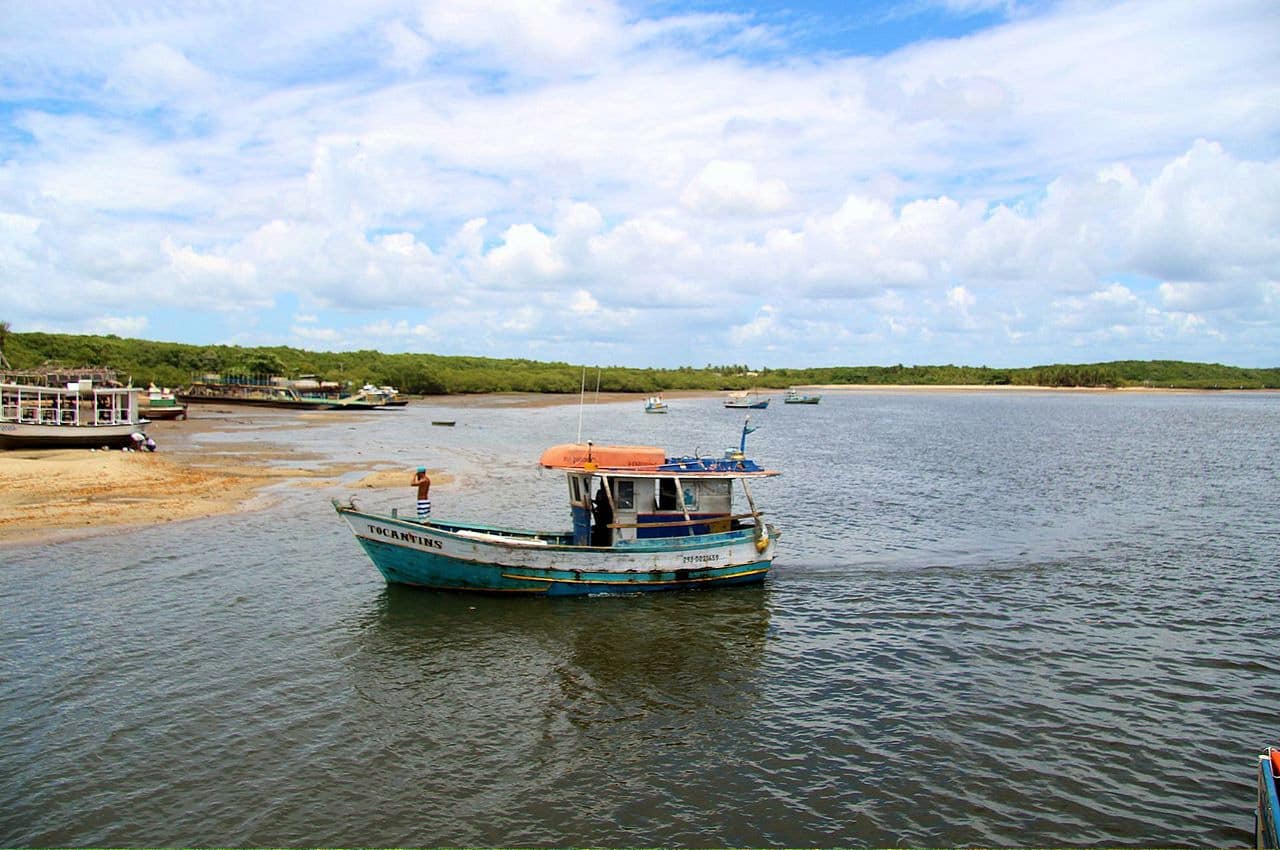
(368, 398)
(251, 391)
(161, 403)
(391, 397)
(794, 396)
(641, 521)
(1267, 818)
(745, 400)
(67, 408)
(655, 404)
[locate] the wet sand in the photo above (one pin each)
(56, 494)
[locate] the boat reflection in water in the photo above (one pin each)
(583, 661)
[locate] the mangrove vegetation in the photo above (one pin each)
(175, 364)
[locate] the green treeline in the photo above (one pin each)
(174, 364)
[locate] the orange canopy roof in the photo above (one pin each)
(583, 456)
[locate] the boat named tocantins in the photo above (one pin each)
(641, 522)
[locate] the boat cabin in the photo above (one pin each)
(76, 403)
(625, 494)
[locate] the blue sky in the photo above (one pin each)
(650, 184)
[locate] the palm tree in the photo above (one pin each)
(4, 332)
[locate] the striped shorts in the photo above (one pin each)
(424, 508)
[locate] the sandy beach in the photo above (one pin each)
(56, 494)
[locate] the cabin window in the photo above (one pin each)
(626, 493)
(714, 496)
(667, 495)
(575, 493)
(717, 488)
(690, 497)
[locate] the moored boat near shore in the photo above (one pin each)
(641, 522)
(257, 393)
(794, 396)
(160, 403)
(67, 408)
(745, 400)
(391, 397)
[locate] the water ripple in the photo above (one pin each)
(995, 620)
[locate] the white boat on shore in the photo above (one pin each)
(67, 408)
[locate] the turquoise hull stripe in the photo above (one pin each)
(400, 565)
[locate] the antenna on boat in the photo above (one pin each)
(746, 429)
(582, 396)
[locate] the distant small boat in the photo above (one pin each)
(391, 397)
(1267, 818)
(744, 400)
(359, 401)
(655, 404)
(794, 396)
(448, 423)
(157, 403)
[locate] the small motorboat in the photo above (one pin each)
(743, 400)
(655, 404)
(161, 403)
(794, 396)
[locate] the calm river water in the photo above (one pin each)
(995, 618)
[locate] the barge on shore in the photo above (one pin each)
(67, 408)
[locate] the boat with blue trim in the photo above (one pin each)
(1267, 819)
(641, 521)
(655, 404)
(746, 400)
(794, 396)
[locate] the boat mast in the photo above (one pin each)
(750, 502)
(582, 396)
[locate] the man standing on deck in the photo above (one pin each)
(423, 483)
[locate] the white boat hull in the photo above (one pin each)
(18, 435)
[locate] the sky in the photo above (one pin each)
(649, 184)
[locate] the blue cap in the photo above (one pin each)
(422, 469)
